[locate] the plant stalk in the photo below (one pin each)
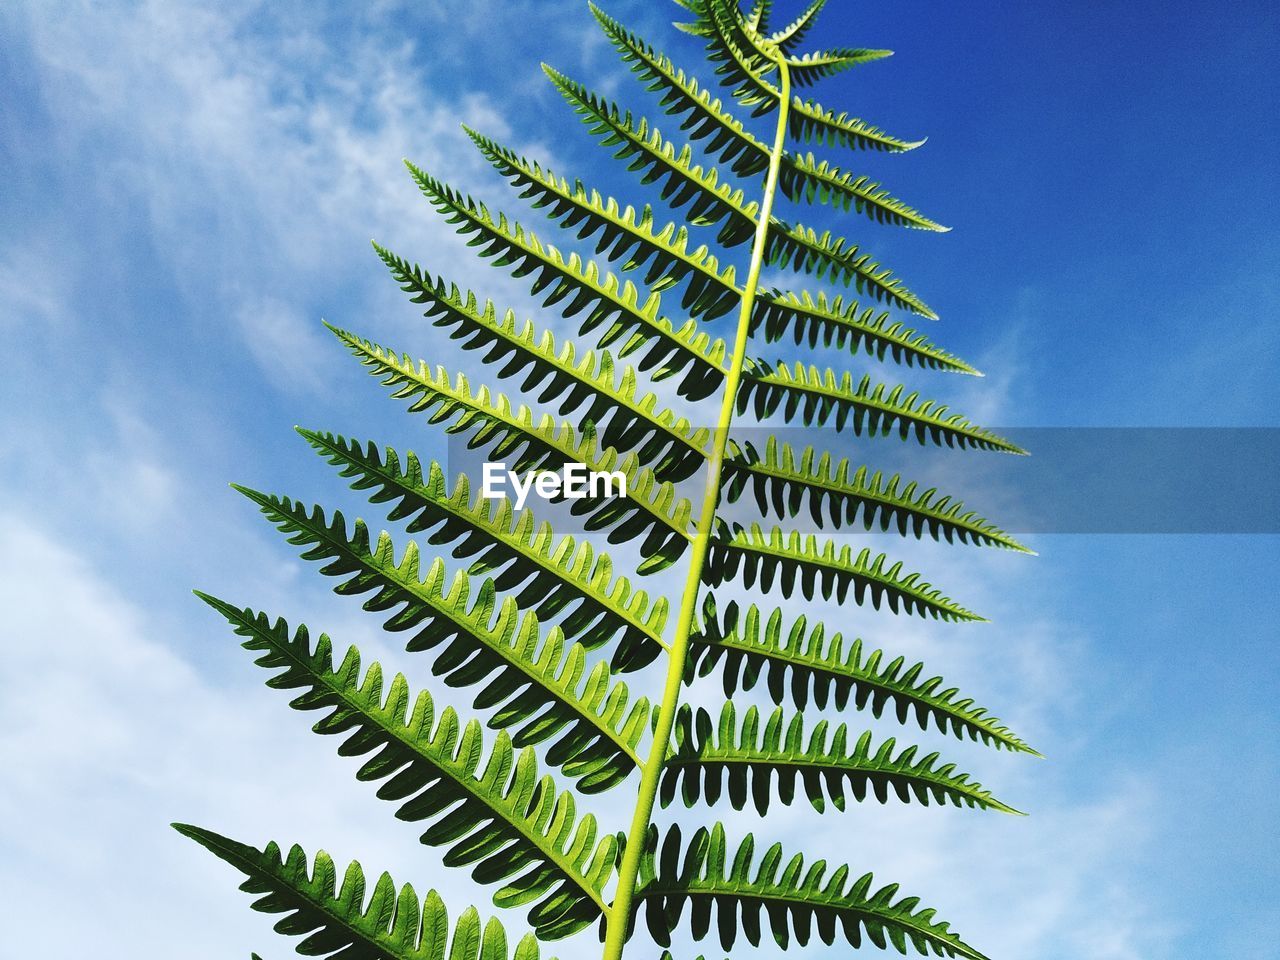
(619, 917)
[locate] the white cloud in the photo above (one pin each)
(28, 287)
(289, 349)
(262, 161)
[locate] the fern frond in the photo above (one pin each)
(752, 555)
(335, 921)
(711, 202)
(819, 397)
(745, 759)
(799, 662)
(791, 897)
(549, 575)
(650, 512)
(710, 292)
(782, 481)
(540, 686)
(623, 418)
(793, 34)
(724, 137)
(802, 177)
(832, 322)
(809, 68)
(490, 809)
(757, 17)
(534, 628)
(685, 351)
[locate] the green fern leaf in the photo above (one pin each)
(549, 575)
(516, 627)
(684, 351)
(819, 397)
(752, 756)
(782, 481)
(752, 555)
(540, 686)
(790, 897)
(336, 921)
(809, 68)
(793, 34)
(623, 418)
(800, 662)
(491, 810)
(804, 177)
(650, 513)
(833, 323)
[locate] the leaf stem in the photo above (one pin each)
(619, 915)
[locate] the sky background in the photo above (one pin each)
(188, 190)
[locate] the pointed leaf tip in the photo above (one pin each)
(189, 830)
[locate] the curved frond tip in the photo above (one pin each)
(706, 120)
(745, 68)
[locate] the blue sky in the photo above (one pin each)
(187, 191)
